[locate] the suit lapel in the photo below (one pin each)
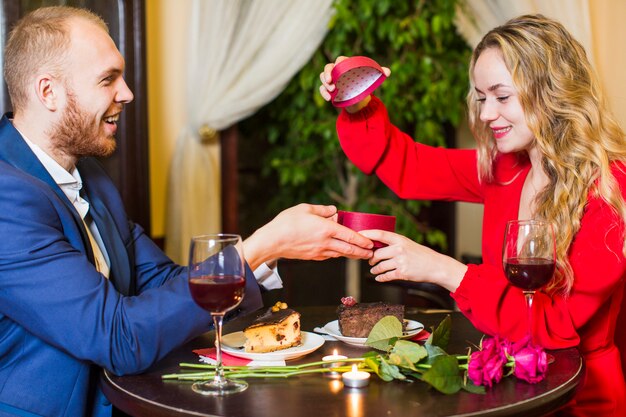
(16, 152)
(120, 271)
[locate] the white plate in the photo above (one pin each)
(310, 342)
(332, 328)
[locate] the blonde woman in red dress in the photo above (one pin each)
(549, 149)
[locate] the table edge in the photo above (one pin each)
(109, 387)
(568, 386)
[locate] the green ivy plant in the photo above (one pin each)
(425, 96)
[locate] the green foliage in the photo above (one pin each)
(425, 95)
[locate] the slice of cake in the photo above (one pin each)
(277, 329)
(357, 319)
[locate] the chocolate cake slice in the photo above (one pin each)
(276, 329)
(357, 320)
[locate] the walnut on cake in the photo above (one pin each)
(277, 329)
(358, 319)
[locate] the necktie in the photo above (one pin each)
(83, 207)
(101, 263)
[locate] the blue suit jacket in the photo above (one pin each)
(61, 321)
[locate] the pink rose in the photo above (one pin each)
(486, 366)
(531, 362)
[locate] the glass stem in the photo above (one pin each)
(529, 308)
(218, 319)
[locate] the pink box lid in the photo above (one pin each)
(355, 78)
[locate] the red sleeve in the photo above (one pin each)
(497, 308)
(599, 266)
(410, 169)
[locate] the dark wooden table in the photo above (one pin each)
(316, 395)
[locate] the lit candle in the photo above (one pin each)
(335, 359)
(355, 378)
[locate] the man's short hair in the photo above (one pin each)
(40, 41)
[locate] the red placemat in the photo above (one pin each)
(421, 336)
(227, 360)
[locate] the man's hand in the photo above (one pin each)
(307, 232)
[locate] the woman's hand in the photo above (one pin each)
(410, 261)
(327, 85)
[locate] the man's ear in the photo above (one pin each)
(48, 89)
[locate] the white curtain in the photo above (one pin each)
(477, 17)
(242, 54)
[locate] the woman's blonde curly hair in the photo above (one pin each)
(565, 110)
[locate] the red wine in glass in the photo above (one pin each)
(217, 293)
(217, 284)
(529, 258)
(529, 273)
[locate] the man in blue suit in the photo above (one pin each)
(82, 287)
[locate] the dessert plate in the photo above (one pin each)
(232, 344)
(332, 328)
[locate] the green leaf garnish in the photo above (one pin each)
(441, 335)
(389, 371)
(381, 335)
(374, 363)
(433, 352)
(405, 354)
(444, 375)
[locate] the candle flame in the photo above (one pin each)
(335, 352)
(354, 368)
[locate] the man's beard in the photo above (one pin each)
(78, 134)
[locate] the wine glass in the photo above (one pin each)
(217, 283)
(528, 257)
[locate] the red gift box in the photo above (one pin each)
(366, 221)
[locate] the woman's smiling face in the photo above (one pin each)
(500, 108)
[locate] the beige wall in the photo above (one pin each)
(609, 43)
(166, 37)
(166, 34)
(468, 215)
